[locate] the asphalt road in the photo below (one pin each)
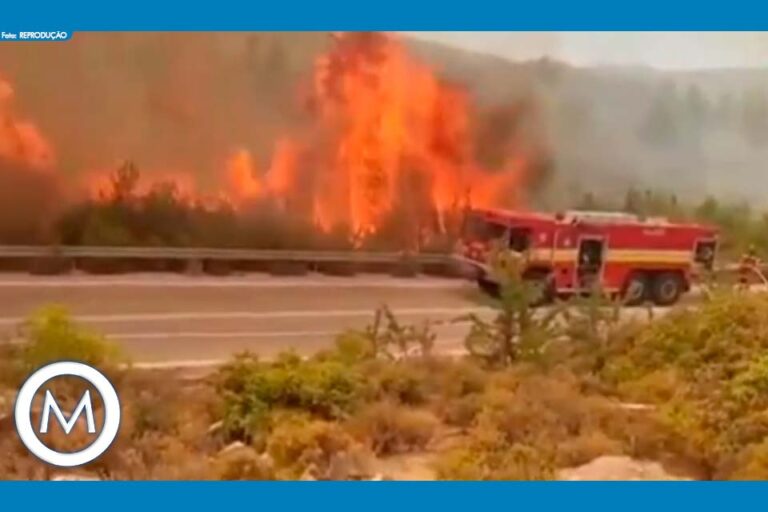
(169, 320)
(186, 321)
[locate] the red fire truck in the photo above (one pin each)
(570, 253)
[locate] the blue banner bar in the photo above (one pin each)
(385, 496)
(389, 15)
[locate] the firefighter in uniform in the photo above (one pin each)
(748, 265)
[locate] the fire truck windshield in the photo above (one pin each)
(519, 239)
(478, 229)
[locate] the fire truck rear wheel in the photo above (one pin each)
(667, 288)
(635, 290)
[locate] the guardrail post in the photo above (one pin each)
(50, 265)
(444, 268)
(288, 268)
(217, 267)
(338, 268)
(193, 267)
(406, 267)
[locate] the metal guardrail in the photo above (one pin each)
(201, 253)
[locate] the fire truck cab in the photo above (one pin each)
(572, 252)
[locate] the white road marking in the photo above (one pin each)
(132, 336)
(222, 334)
(255, 315)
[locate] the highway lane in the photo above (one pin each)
(177, 320)
(174, 319)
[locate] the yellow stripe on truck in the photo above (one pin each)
(557, 255)
(616, 256)
(655, 256)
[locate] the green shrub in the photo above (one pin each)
(251, 390)
(352, 347)
(529, 423)
(460, 384)
(387, 338)
(306, 448)
(751, 463)
(706, 368)
(518, 332)
(461, 411)
(389, 428)
(710, 342)
(406, 382)
(51, 335)
(243, 463)
(586, 447)
(488, 455)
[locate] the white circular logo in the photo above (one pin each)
(23, 413)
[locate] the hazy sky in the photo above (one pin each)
(667, 50)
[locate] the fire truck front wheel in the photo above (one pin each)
(489, 287)
(666, 288)
(635, 290)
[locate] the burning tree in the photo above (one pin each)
(387, 140)
(387, 153)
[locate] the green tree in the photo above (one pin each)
(519, 330)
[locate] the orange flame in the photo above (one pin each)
(281, 178)
(385, 131)
(385, 136)
(243, 184)
(21, 141)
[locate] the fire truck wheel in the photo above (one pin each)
(489, 288)
(667, 288)
(635, 290)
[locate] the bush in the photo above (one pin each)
(459, 390)
(488, 455)
(50, 335)
(352, 347)
(707, 370)
(456, 378)
(406, 382)
(251, 390)
(243, 463)
(306, 448)
(752, 463)
(586, 447)
(389, 339)
(388, 428)
(462, 411)
(529, 423)
(153, 456)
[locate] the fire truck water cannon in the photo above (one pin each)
(570, 253)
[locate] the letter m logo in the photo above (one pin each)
(50, 404)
